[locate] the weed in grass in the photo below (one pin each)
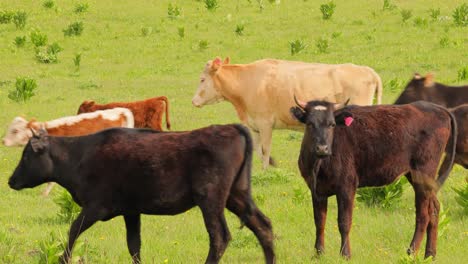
(173, 11)
(37, 38)
(301, 196)
(243, 238)
(146, 31)
(48, 54)
(444, 221)
(261, 6)
(69, 210)
(20, 41)
(202, 45)
(388, 5)
(406, 14)
(463, 73)
(336, 34)
(327, 10)
(211, 4)
(420, 22)
(393, 85)
(434, 13)
(48, 4)
(24, 89)
(77, 61)
(50, 250)
(81, 7)
(412, 259)
(259, 199)
(294, 136)
(74, 29)
(271, 176)
(462, 193)
(385, 197)
(322, 45)
(89, 85)
(239, 29)
(460, 15)
(444, 42)
(181, 32)
(6, 16)
(296, 46)
(19, 19)
(7, 247)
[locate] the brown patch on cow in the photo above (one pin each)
(86, 126)
(429, 80)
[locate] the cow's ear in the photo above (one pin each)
(429, 80)
(344, 118)
(298, 114)
(216, 64)
(40, 141)
(226, 60)
(417, 76)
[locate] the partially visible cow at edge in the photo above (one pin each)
(20, 130)
(461, 114)
(262, 91)
(148, 113)
(120, 173)
(373, 146)
(424, 88)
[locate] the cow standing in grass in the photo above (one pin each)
(131, 172)
(20, 130)
(373, 146)
(262, 91)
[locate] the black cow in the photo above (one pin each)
(136, 171)
(424, 88)
(373, 146)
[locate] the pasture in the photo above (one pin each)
(132, 50)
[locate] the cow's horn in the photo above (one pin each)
(299, 103)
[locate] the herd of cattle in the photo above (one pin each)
(127, 171)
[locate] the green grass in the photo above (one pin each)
(122, 65)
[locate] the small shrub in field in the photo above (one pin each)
(420, 22)
(6, 16)
(327, 10)
(463, 73)
(19, 19)
(51, 248)
(434, 13)
(393, 85)
(406, 14)
(181, 32)
(173, 11)
(20, 41)
(444, 42)
(74, 29)
(81, 7)
(48, 4)
(77, 60)
(385, 197)
(387, 5)
(414, 259)
(211, 4)
(24, 89)
(322, 45)
(462, 197)
(38, 39)
(460, 15)
(203, 44)
(48, 54)
(69, 210)
(336, 34)
(239, 29)
(146, 31)
(296, 46)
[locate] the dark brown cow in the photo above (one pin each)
(424, 88)
(373, 146)
(131, 172)
(461, 114)
(148, 113)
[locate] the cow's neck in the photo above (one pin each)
(309, 164)
(226, 82)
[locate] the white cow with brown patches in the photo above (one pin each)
(20, 130)
(262, 92)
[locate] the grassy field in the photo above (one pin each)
(132, 50)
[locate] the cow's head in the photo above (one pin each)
(35, 166)
(320, 121)
(19, 132)
(86, 107)
(207, 93)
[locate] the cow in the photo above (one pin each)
(373, 146)
(461, 114)
(424, 88)
(261, 92)
(20, 130)
(130, 172)
(148, 113)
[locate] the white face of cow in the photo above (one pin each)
(206, 93)
(18, 133)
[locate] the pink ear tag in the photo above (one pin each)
(348, 121)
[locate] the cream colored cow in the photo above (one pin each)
(262, 92)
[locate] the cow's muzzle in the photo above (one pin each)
(322, 151)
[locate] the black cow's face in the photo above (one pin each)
(320, 122)
(35, 166)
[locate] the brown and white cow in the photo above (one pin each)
(147, 113)
(20, 130)
(262, 91)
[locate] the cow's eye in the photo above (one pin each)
(202, 80)
(332, 125)
(14, 131)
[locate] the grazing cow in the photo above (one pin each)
(373, 146)
(424, 88)
(148, 113)
(131, 172)
(262, 91)
(20, 130)
(461, 114)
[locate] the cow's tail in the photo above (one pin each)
(378, 88)
(168, 122)
(450, 150)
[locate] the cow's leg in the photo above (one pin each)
(85, 219)
(422, 217)
(156, 121)
(266, 132)
(320, 205)
(132, 224)
(431, 242)
(241, 204)
(48, 188)
(345, 199)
